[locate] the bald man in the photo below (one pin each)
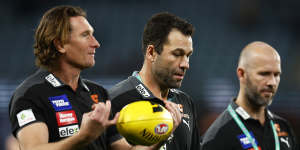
(247, 124)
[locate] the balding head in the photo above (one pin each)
(256, 51)
(259, 72)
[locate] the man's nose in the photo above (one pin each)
(185, 63)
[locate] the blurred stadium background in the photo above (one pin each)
(223, 28)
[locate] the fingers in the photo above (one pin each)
(98, 111)
(96, 121)
(107, 109)
(101, 111)
(93, 106)
(173, 108)
(175, 112)
(115, 119)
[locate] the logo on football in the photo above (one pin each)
(145, 123)
(161, 128)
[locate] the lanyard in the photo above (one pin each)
(246, 132)
(136, 74)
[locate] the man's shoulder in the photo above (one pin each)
(31, 87)
(221, 134)
(218, 127)
(30, 83)
(120, 88)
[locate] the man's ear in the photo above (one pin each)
(240, 73)
(58, 45)
(151, 54)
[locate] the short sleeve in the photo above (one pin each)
(24, 111)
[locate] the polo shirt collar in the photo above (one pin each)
(83, 84)
(56, 82)
(242, 112)
(143, 90)
(140, 87)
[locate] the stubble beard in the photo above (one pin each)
(253, 96)
(165, 79)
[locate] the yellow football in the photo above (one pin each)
(145, 123)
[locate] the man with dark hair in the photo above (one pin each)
(157, 35)
(167, 47)
(247, 123)
(55, 109)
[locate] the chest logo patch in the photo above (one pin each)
(60, 103)
(66, 117)
(68, 130)
(180, 108)
(245, 142)
(95, 98)
(186, 123)
(286, 141)
(279, 132)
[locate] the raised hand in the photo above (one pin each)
(95, 122)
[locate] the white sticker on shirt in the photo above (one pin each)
(142, 90)
(52, 80)
(243, 113)
(68, 130)
(25, 117)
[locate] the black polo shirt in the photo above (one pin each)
(185, 137)
(225, 134)
(44, 98)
